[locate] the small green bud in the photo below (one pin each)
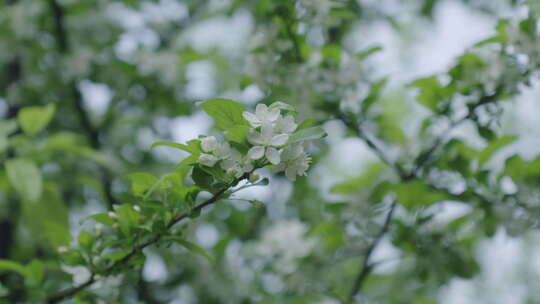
(254, 177)
(257, 203)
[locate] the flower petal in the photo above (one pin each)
(267, 131)
(290, 172)
(209, 143)
(261, 111)
(254, 137)
(273, 115)
(251, 118)
(272, 154)
(256, 152)
(208, 160)
(279, 140)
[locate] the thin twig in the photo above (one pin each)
(367, 267)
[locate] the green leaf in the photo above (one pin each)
(193, 248)
(58, 234)
(306, 123)
(356, 184)
(226, 113)
(237, 134)
(117, 255)
(86, 240)
(368, 52)
(307, 134)
(431, 92)
(202, 178)
(8, 126)
(374, 94)
(141, 182)
(3, 291)
(417, 193)
(33, 119)
(35, 271)
(493, 147)
(72, 257)
(172, 144)
(25, 177)
(282, 106)
(7, 265)
(103, 218)
(519, 169)
(127, 218)
(332, 52)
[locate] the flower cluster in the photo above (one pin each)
(268, 139)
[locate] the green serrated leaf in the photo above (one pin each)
(193, 248)
(57, 233)
(226, 113)
(25, 177)
(493, 147)
(368, 52)
(282, 106)
(430, 91)
(35, 271)
(173, 145)
(417, 193)
(86, 240)
(307, 134)
(103, 218)
(141, 182)
(356, 184)
(7, 265)
(33, 119)
(202, 178)
(237, 134)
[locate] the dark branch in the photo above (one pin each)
(91, 132)
(61, 35)
(367, 267)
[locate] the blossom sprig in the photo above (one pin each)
(270, 136)
(216, 164)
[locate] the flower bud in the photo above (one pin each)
(137, 208)
(112, 215)
(99, 228)
(62, 249)
(232, 172)
(257, 203)
(254, 177)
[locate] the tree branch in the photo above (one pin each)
(91, 132)
(70, 292)
(367, 267)
(424, 159)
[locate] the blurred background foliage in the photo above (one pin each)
(425, 191)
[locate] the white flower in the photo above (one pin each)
(236, 164)
(215, 150)
(209, 144)
(265, 142)
(262, 115)
(80, 274)
(295, 161)
(208, 160)
(285, 124)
